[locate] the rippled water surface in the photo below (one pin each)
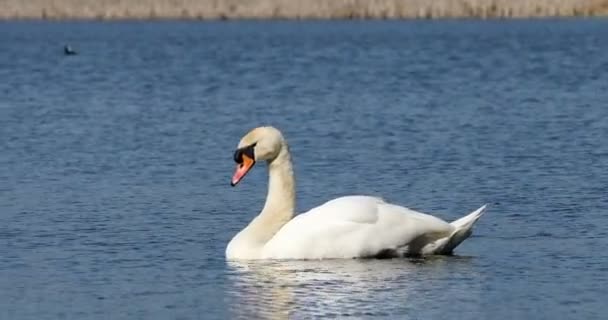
(115, 165)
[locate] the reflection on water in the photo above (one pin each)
(349, 288)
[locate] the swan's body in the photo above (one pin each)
(346, 227)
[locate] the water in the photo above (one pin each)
(115, 165)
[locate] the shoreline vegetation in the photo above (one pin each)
(296, 9)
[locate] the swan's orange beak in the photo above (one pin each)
(242, 169)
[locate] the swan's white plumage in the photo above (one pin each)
(350, 227)
(345, 227)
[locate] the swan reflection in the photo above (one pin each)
(339, 288)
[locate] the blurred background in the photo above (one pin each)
(279, 9)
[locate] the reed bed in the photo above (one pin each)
(297, 9)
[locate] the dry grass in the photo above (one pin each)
(296, 9)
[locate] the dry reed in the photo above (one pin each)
(296, 9)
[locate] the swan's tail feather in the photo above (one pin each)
(463, 228)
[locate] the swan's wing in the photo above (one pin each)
(353, 226)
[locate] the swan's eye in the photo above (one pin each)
(238, 156)
(248, 151)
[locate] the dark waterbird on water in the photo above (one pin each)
(68, 51)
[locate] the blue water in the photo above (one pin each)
(115, 165)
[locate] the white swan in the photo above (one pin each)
(346, 227)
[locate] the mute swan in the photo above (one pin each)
(346, 227)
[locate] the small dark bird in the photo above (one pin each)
(68, 50)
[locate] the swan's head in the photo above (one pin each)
(262, 143)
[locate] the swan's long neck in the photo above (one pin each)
(278, 210)
(280, 201)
